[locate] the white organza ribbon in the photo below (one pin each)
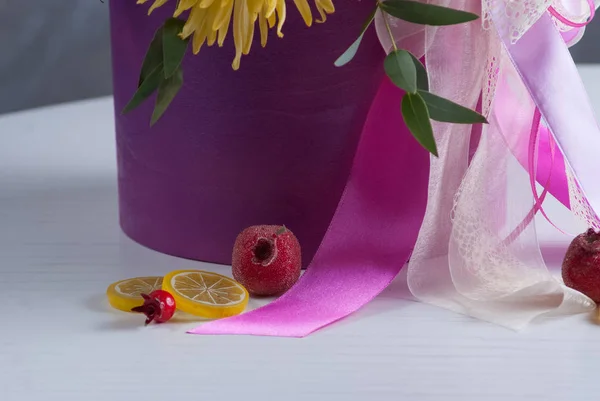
(461, 260)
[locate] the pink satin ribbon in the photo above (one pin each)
(370, 237)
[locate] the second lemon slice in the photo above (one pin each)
(206, 294)
(126, 294)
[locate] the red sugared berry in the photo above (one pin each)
(266, 259)
(159, 306)
(581, 267)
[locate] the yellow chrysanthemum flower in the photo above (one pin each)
(209, 20)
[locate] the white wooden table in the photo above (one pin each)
(60, 246)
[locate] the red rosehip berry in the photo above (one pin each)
(159, 306)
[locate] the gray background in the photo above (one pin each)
(59, 50)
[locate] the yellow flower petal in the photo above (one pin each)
(224, 24)
(198, 41)
(156, 4)
(209, 30)
(201, 30)
(327, 5)
(183, 5)
(304, 8)
(238, 32)
(205, 3)
(272, 20)
(324, 7)
(212, 37)
(281, 16)
(194, 22)
(264, 29)
(254, 6)
(249, 34)
(269, 7)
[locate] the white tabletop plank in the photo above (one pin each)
(60, 246)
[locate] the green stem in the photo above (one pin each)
(387, 26)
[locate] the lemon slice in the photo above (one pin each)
(206, 294)
(126, 294)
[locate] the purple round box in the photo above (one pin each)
(271, 143)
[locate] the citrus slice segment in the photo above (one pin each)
(206, 294)
(126, 294)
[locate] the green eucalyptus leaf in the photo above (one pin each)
(399, 66)
(426, 14)
(349, 54)
(416, 117)
(167, 90)
(422, 78)
(148, 86)
(154, 56)
(444, 110)
(173, 46)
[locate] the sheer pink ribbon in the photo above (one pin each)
(549, 73)
(532, 167)
(571, 23)
(539, 199)
(551, 163)
(533, 157)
